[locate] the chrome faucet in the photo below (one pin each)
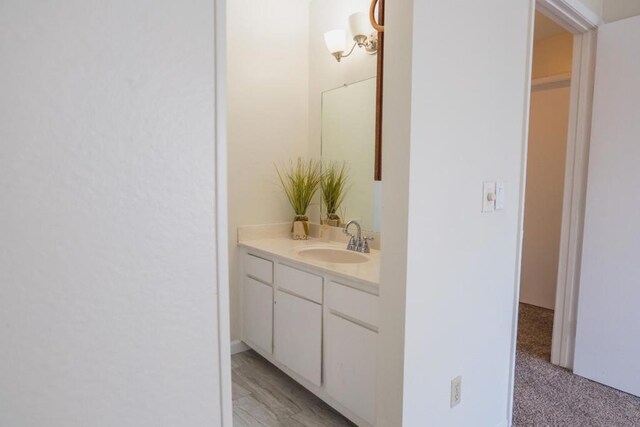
(356, 243)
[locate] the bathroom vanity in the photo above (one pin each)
(311, 309)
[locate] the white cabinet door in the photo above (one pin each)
(350, 366)
(298, 335)
(257, 313)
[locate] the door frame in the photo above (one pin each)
(583, 24)
(573, 204)
(574, 17)
(222, 247)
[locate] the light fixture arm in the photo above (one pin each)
(370, 45)
(339, 55)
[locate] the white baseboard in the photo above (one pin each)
(238, 346)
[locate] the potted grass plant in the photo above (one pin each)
(300, 181)
(334, 189)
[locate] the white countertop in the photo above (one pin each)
(286, 248)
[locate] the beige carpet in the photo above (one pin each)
(550, 396)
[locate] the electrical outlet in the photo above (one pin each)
(456, 390)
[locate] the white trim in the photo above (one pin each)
(522, 187)
(572, 15)
(238, 346)
(575, 187)
(551, 82)
(221, 233)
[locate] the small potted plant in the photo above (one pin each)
(334, 189)
(300, 181)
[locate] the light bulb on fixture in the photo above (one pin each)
(335, 41)
(360, 28)
(363, 34)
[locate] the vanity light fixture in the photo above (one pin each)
(364, 36)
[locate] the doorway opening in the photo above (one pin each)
(544, 191)
(557, 158)
(303, 184)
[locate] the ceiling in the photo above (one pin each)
(545, 28)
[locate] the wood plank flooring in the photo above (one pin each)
(264, 396)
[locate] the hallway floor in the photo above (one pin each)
(546, 395)
(264, 396)
(550, 396)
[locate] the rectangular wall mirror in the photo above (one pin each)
(348, 134)
(345, 80)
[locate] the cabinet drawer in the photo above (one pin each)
(299, 282)
(351, 302)
(258, 268)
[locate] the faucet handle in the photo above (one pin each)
(365, 244)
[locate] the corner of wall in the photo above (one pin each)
(396, 136)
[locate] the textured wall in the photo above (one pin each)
(107, 257)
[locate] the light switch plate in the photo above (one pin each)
(456, 390)
(500, 196)
(488, 196)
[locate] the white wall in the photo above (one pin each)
(614, 10)
(609, 10)
(595, 6)
(548, 125)
(607, 348)
(468, 119)
(268, 114)
(396, 134)
(108, 300)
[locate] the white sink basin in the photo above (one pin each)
(334, 255)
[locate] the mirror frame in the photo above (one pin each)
(377, 169)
